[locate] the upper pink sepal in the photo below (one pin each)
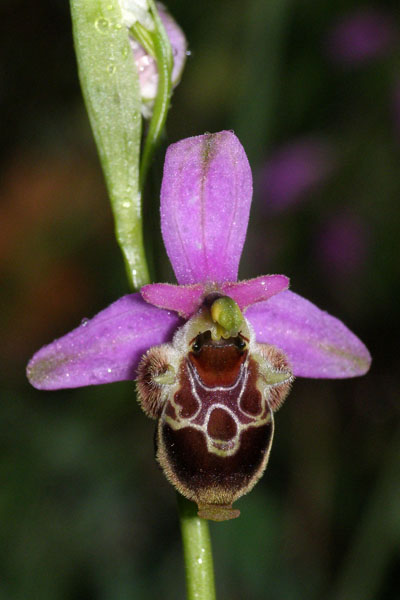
(316, 344)
(184, 299)
(205, 202)
(246, 293)
(103, 349)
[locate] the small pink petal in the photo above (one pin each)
(184, 299)
(205, 201)
(316, 344)
(246, 293)
(178, 43)
(103, 349)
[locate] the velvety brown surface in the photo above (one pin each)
(221, 426)
(218, 365)
(197, 468)
(251, 398)
(195, 400)
(185, 399)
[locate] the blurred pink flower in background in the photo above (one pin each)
(342, 244)
(361, 35)
(294, 170)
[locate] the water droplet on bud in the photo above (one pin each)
(102, 25)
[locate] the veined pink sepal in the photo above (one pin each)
(205, 202)
(316, 343)
(103, 349)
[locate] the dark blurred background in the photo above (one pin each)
(313, 92)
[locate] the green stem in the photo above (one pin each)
(111, 91)
(197, 552)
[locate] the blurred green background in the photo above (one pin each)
(85, 513)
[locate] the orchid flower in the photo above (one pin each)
(213, 357)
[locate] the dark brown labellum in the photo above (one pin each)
(214, 400)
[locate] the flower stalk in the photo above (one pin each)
(197, 552)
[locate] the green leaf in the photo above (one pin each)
(111, 91)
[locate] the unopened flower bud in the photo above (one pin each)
(146, 64)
